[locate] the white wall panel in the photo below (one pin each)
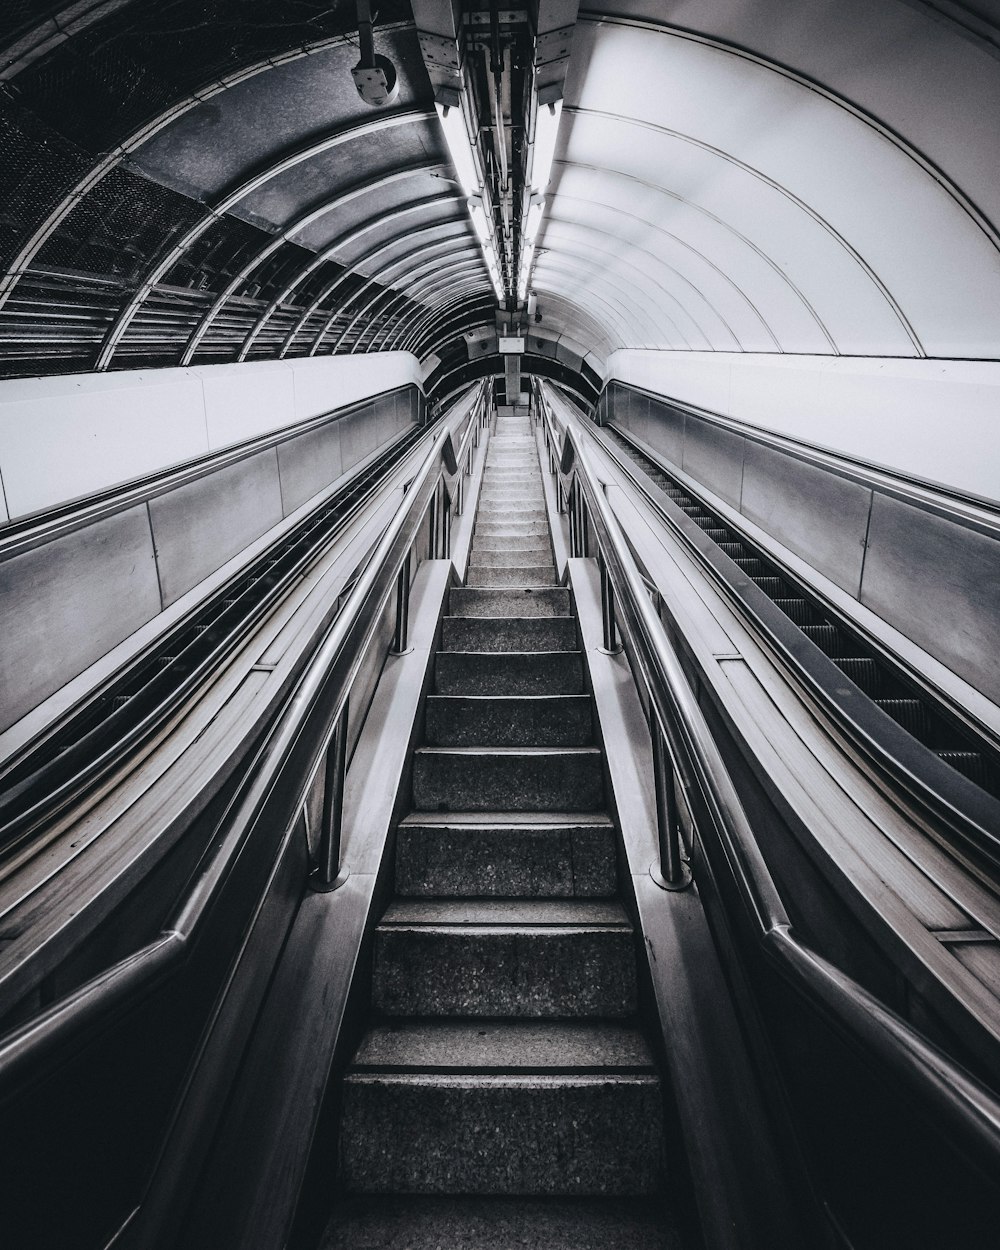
(934, 419)
(64, 437)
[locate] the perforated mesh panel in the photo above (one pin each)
(119, 227)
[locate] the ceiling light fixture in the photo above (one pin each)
(460, 148)
(543, 152)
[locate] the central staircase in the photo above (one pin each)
(504, 1094)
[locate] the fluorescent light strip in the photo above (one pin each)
(456, 136)
(533, 221)
(546, 131)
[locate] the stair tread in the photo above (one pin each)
(534, 820)
(391, 1222)
(505, 1046)
(509, 698)
(511, 751)
(525, 913)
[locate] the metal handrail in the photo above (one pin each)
(969, 1109)
(308, 735)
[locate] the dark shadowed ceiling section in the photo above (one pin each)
(198, 181)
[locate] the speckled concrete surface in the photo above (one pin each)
(509, 720)
(516, 575)
(569, 779)
(475, 601)
(506, 1134)
(505, 1045)
(508, 672)
(533, 633)
(504, 971)
(505, 860)
(479, 1223)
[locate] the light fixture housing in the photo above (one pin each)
(544, 148)
(460, 148)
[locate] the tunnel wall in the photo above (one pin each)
(65, 437)
(85, 586)
(926, 567)
(938, 420)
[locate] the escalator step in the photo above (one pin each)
(862, 671)
(750, 565)
(702, 521)
(800, 611)
(719, 535)
(773, 587)
(735, 551)
(826, 637)
(910, 713)
(970, 763)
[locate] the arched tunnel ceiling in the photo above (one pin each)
(200, 182)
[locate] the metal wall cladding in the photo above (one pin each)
(308, 463)
(69, 602)
(714, 456)
(818, 514)
(938, 583)
(358, 437)
(199, 526)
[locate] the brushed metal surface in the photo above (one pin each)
(939, 584)
(714, 456)
(199, 526)
(56, 606)
(358, 437)
(665, 430)
(308, 464)
(819, 515)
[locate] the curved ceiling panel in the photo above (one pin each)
(729, 175)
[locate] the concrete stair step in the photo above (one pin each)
(535, 779)
(508, 672)
(514, 720)
(508, 633)
(436, 1222)
(510, 557)
(489, 514)
(505, 855)
(485, 601)
(573, 1108)
(494, 536)
(512, 958)
(511, 575)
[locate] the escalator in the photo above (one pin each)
(60, 765)
(485, 947)
(871, 672)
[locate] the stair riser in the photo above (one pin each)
(492, 537)
(495, 673)
(544, 1136)
(479, 602)
(553, 782)
(510, 558)
(516, 722)
(515, 575)
(505, 862)
(504, 972)
(469, 633)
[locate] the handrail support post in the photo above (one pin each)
(328, 874)
(674, 873)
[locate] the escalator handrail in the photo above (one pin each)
(967, 1106)
(274, 787)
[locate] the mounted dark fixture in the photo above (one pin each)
(374, 75)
